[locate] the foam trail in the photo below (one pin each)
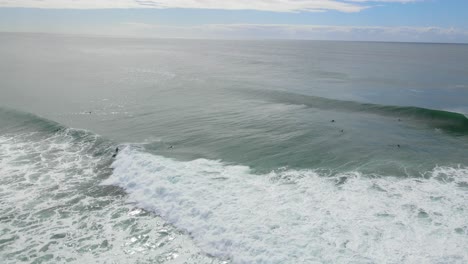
(294, 216)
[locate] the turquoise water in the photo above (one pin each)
(232, 151)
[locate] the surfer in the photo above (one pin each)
(342, 180)
(116, 152)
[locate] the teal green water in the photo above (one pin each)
(238, 151)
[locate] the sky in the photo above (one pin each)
(366, 20)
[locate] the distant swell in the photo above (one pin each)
(449, 121)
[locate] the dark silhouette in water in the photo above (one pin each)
(170, 147)
(341, 180)
(116, 152)
(333, 121)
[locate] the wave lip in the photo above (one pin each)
(291, 216)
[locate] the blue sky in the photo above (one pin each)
(380, 20)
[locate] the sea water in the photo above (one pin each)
(118, 150)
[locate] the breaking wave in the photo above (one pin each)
(303, 216)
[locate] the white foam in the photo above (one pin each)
(50, 208)
(291, 216)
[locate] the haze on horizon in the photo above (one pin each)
(362, 20)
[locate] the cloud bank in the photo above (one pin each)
(259, 5)
(286, 31)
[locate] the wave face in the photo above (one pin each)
(303, 216)
(13, 121)
(449, 121)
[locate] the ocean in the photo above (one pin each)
(121, 150)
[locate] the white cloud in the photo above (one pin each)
(262, 5)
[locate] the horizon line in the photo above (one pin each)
(224, 39)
